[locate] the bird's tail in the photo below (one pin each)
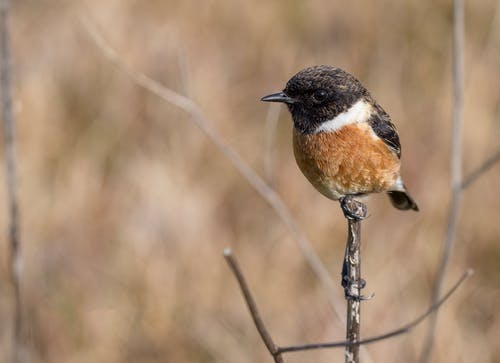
(402, 200)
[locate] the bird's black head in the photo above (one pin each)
(318, 94)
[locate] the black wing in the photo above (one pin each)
(383, 127)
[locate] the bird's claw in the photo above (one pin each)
(349, 285)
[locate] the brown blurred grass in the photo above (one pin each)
(126, 206)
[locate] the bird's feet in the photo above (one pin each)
(352, 209)
(352, 288)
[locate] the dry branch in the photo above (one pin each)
(277, 351)
(352, 282)
(393, 333)
(353, 263)
(11, 177)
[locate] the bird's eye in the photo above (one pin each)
(320, 95)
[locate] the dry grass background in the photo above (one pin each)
(126, 206)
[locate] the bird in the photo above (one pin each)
(344, 142)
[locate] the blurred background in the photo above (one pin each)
(126, 206)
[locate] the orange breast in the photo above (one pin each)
(347, 161)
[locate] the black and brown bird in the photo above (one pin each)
(344, 142)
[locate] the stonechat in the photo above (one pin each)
(344, 142)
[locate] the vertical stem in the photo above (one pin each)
(458, 86)
(456, 169)
(353, 265)
(10, 155)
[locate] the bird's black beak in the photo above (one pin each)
(278, 97)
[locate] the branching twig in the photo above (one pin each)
(393, 333)
(262, 188)
(276, 350)
(458, 183)
(11, 174)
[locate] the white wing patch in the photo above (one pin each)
(359, 112)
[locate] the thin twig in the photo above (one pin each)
(483, 168)
(354, 212)
(252, 306)
(353, 263)
(276, 350)
(11, 174)
(260, 186)
(456, 169)
(393, 333)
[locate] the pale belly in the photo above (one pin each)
(348, 161)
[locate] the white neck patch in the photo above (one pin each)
(359, 112)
